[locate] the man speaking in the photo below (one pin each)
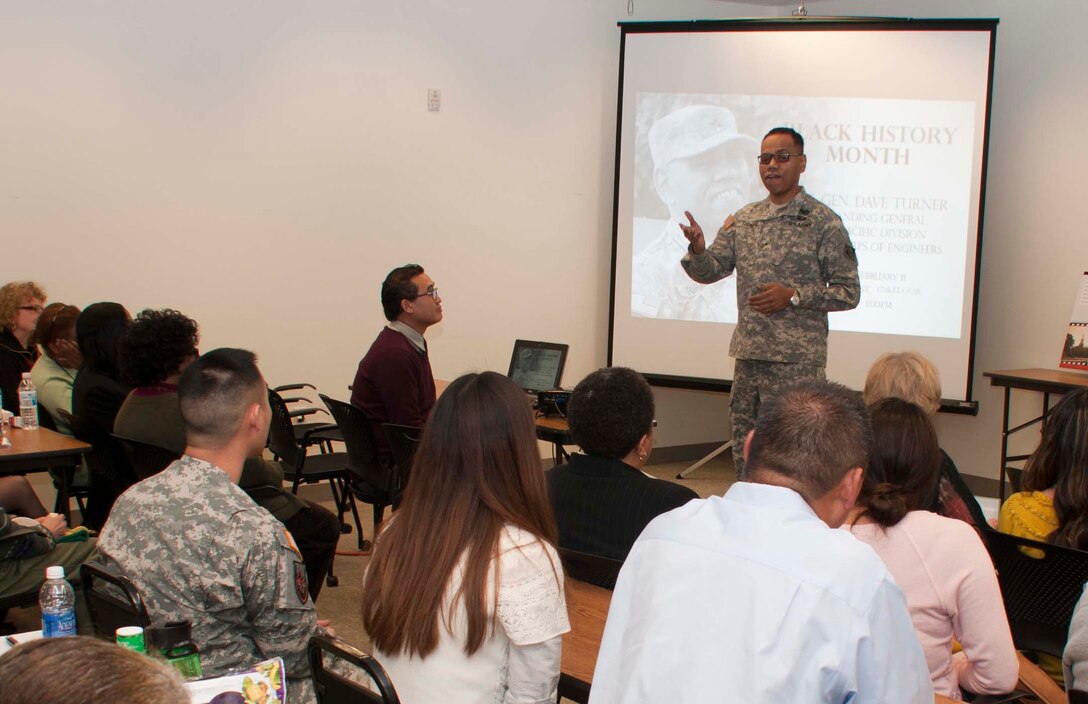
(794, 263)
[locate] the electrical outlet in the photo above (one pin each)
(434, 100)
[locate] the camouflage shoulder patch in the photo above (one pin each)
(302, 590)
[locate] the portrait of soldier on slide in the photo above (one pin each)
(703, 164)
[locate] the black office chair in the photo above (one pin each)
(1040, 584)
(146, 460)
(300, 467)
(112, 599)
(1076, 696)
(403, 440)
(1016, 478)
(319, 433)
(371, 482)
(110, 471)
(592, 569)
(334, 688)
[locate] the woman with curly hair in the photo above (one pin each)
(20, 305)
(463, 598)
(154, 352)
(602, 499)
(940, 563)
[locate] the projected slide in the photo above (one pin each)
(896, 171)
(894, 114)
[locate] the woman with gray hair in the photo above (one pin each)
(912, 377)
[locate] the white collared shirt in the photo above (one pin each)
(749, 598)
(413, 336)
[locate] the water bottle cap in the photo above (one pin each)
(54, 572)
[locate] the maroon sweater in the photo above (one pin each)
(394, 384)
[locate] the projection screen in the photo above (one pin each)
(895, 115)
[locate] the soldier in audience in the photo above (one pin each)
(603, 499)
(755, 596)
(394, 383)
(197, 546)
(154, 352)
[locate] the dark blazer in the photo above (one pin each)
(96, 398)
(602, 504)
(14, 361)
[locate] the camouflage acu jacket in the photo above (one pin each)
(803, 246)
(197, 547)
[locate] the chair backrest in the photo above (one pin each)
(363, 459)
(334, 688)
(147, 460)
(1076, 696)
(112, 599)
(1016, 477)
(106, 459)
(1040, 584)
(403, 440)
(592, 569)
(281, 434)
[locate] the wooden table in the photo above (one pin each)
(587, 606)
(41, 450)
(557, 432)
(1044, 381)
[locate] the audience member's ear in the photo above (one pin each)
(748, 443)
(834, 507)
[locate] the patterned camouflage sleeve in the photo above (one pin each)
(716, 262)
(277, 598)
(838, 269)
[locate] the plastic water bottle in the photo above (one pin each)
(28, 403)
(58, 604)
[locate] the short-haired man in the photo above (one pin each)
(602, 499)
(794, 263)
(197, 546)
(153, 353)
(755, 596)
(394, 383)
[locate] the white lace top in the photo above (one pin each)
(520, 662)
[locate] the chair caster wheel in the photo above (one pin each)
(332, 581)
(345, 528)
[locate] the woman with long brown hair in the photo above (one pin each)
(463, 598)
(1054, 503)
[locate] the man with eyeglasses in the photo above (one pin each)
(794, 263)
(394, 383)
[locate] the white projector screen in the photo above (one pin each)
(894, 114)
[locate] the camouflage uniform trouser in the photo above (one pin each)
(755, 381)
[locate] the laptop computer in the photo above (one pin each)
(537, 366)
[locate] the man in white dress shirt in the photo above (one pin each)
(754, 596)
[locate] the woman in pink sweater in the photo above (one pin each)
(940, 563)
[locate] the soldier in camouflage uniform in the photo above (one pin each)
(794, 263)
(197, 546)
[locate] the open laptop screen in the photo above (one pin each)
(537, 366)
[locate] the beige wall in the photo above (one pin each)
(261, 165)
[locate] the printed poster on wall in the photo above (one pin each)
(1074, 350)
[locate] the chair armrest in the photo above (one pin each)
(302, 412)
(323, 428)
(1039, 683)
(293, 387)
